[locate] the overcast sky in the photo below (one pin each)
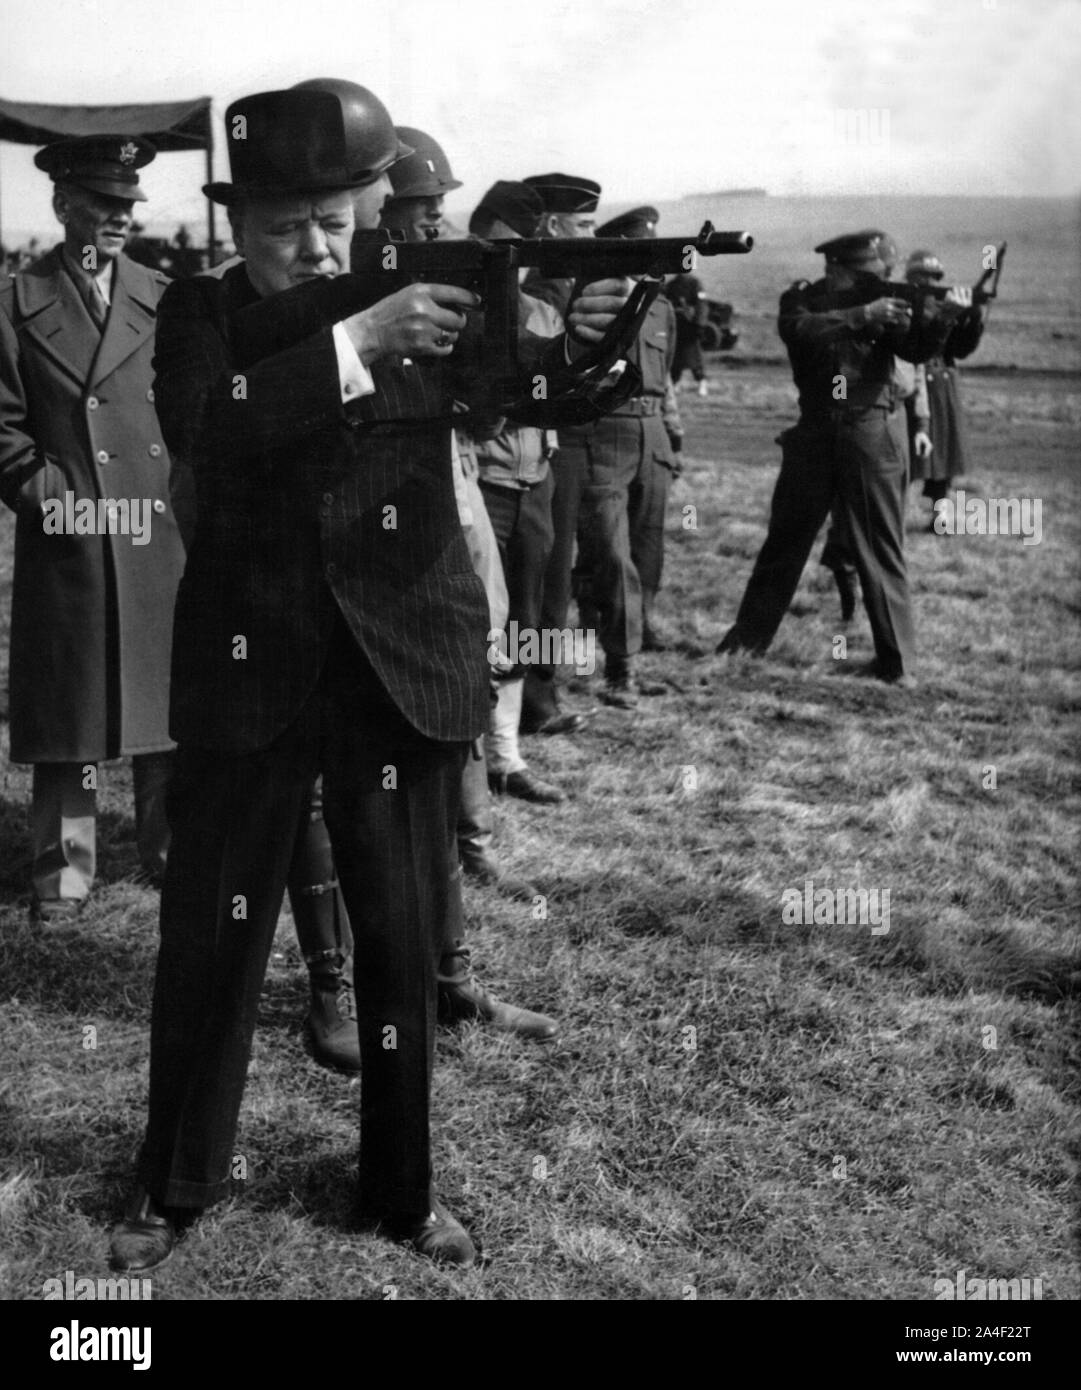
(654, 98)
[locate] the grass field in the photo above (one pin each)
(741, 1107)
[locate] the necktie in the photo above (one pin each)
(95, 302)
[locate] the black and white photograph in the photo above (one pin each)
(540, 664)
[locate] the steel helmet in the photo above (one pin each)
(426, 172)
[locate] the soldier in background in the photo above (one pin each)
(516, 482)
(569, 205)
(849, 444)
(687, 297)
(626, 460)
(91, 613)
(949, 458)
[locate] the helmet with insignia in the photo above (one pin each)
(106, 164)
(924, 263)
(319, 136)
(426, 173)
(858, 250)
(639, 222)
(565, 193)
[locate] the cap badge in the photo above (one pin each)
(431, 165)
(128, 152)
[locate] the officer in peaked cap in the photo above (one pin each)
(507, 209)
(419, 182)
(626, 460)
(91, 614)
(849, 447)
(638, 223)
(868, 249)
(569, 203)
(107, 164)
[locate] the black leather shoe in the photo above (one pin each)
(561, 723)
(526, 785)
(485, 870)
(144, 1239)
(461, 996)
(872, 670)
(437, 1236)
(331, 1024)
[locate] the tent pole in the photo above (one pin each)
(210, 258)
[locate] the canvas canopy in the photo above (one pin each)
(168, 125)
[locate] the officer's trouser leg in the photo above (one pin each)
(150, 773)
(604, 536)
(64, 840)
(837, 550)
(801, 501)
(872, 479)
(646, 505)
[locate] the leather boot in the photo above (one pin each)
(326, 943)
(462, 996)
(621, 687)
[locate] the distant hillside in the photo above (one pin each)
(732, 193)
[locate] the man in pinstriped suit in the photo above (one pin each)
(329, 620)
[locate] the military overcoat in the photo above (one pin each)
(92, 614)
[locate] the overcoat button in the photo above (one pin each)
(92, 403)
(159, 505)
(150, 394)
(154, 450)
(103, 456)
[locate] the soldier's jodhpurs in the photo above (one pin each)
(234, 818)
(857, 458)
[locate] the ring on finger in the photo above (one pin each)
(443, 340)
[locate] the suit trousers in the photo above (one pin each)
(859, 460)
(65, 823)
(391, 805)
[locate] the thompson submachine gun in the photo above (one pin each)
(985, 288)
(382, 264)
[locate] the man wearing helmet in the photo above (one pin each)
(329, 621)
(949, 458)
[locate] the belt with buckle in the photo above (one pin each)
(640, 405)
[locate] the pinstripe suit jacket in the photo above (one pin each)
(306, 507)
